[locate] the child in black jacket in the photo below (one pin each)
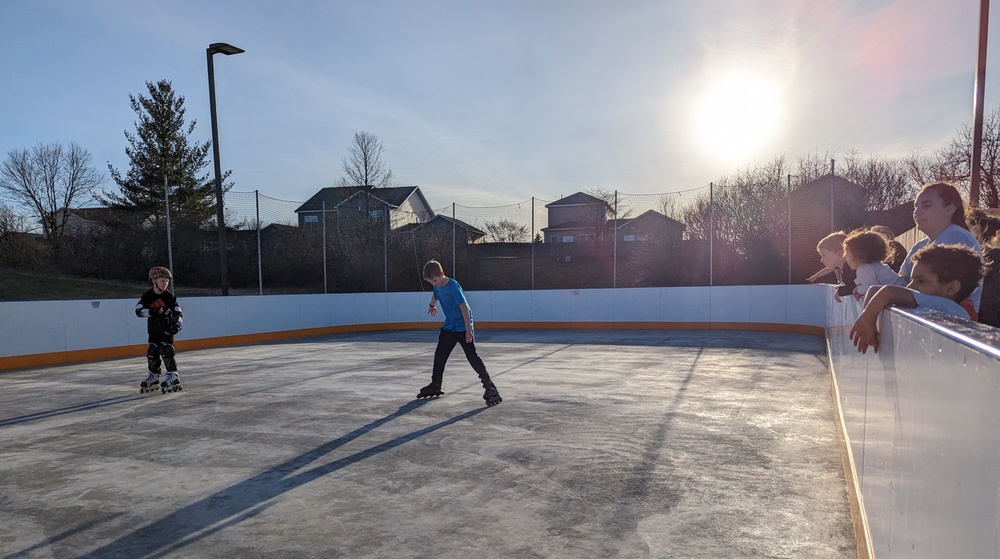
(165, 318)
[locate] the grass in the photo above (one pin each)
(22, 285)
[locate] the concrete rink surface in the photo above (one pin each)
(607, 444)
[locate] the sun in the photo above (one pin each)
(737, 115)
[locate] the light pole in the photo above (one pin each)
(227, 49)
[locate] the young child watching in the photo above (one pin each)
(941, 278)
(865, 251)
(831, 255)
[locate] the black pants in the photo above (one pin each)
(446, 343)
(161, 348)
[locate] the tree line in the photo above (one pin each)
(39, 185)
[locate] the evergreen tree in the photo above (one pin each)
(160, 147)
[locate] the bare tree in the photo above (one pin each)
(612, 208)
(364, 165)
(506, 231)
(953, 162)
(12, 222)
(888, 181)
(49, 180)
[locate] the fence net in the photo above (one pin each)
(712, 235)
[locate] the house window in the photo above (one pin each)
(567, 238)
(554, 239)
(310, 219)
(376, 214)
(629, 238)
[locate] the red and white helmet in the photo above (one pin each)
(160, 272)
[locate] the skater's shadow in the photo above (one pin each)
(67, 409)
(246, 499)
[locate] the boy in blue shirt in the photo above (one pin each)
(942, 278)
(457, 329)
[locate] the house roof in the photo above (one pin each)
(650, 215)
(812, 190)
(443, 219)
(578, 199)
(99, 213)
(575, 224)
(334, 196)
(899, 219)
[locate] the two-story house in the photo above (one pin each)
(402, 205)
(579, 217)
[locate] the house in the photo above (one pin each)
(579, 217)
(818, 208)
(405, 204)
(442, 227)
(650, 226)
(85, 220)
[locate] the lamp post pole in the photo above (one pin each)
(213, 49)
(975, 165)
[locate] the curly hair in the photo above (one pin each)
(867, 246)
(989, 226)
(953, 262)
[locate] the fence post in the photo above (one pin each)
(454, 261)
(324, 247)
(170, 245)
(532, 243)
(260, 268)
(789, 197)
(833, 221)
(711, 234)
(614, 245)
(385, 248)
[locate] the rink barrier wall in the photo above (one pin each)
(41, 333)
(918, 423)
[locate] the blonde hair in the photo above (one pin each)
(833, 242)
(433, 269)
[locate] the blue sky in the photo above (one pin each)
(487, 103)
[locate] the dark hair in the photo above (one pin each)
(949, 197)
(953, 262)
(866, 246)
(989, 226)
(433, 269)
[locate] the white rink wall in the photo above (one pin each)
(42, 327)
(921, 416)
(923, 421)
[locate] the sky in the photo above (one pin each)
(485, 103)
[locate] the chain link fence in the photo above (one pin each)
(718, 234)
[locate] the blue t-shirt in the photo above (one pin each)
(942, 304)
(449, 297)
(952, 235)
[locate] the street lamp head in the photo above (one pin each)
(224, 48)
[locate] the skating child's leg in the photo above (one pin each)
(491, 395)
(167, 352)
(172, 382)
(152, 381)
(446, 343)
(153, 358)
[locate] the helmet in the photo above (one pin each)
(160, 272)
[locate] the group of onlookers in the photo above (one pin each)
(954, 269)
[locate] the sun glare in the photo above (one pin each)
(737, 115)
